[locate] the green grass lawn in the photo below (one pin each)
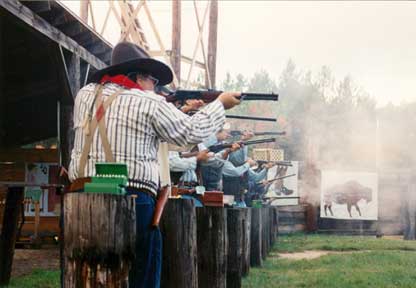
(381, 263)
(37, 279)
(376, 263)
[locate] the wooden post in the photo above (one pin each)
(235, 230)
(255, 237)
(176, 39)
(178, 226)
(246, 241)
(212, 247)
(83, 10)
(410, 212)
(2, 85)
(264, 233)
(72, 74)
(14, 200)
(100, 234)
(212, 43)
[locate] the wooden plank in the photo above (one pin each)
(178, 227)
(83, 10)
(212, 42)
(235, 232)
(212, 247)
(19, 155)
(256, 237)
(99, 238)
(2, 83)
(175, 56)
(9, 231)
(246, 241)
(42, 26)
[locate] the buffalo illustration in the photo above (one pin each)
(349, 193)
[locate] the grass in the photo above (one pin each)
(37, 279)
(382, 263)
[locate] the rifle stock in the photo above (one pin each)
(162, 199)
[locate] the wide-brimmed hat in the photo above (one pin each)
(127, 58)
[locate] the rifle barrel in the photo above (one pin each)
(278, 178)
(259, 96)
(251, 118)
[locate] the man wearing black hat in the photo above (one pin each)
(131, 121)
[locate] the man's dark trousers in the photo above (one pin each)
(146, 269)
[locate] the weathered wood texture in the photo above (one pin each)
(235, 231)
(265, 231)
(246, 241)
(178, 226)
(292, 219)
(410, 213)
(2, 83)
(42, 26)
(256, 237)
(100, 232)
(275, 223)
(176, 39)
(8, 233)
(212, 247)
(212, 43)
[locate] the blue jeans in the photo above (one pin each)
(146, 269)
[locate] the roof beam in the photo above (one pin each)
(36, 22)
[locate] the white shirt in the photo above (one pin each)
(136, 121)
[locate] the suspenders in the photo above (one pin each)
(91, 125)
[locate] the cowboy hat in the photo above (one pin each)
(128, 58)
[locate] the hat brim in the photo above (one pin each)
(157, 69)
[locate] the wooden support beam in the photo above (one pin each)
(212, 42)
(14, 199)
(42, 26)
(83, 10)
(2, 83)
(72, 68)
(175, 56)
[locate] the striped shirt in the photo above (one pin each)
(136, 122)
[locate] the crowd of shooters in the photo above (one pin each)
(222, 163)
(122, 116)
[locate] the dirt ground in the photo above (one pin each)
(25, 260)
(312, 254)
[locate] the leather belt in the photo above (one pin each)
(78, 184)
(136, 191)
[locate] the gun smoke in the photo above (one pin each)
(335, 125)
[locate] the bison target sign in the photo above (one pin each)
(349, 195)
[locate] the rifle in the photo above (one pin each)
(210, 95)
(278, 163)
(217, 148)
(251, 118)
(239, 133)
(275, 179)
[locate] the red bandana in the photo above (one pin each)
(121, 80)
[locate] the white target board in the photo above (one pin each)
(349, 195)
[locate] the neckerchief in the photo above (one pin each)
(121, 80)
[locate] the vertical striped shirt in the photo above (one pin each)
(136, 122)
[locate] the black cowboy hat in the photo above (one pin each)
(127, 58)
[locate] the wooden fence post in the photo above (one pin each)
(235, 228)
(100, 234)
(14, 200)
(265, 232)
(255, 237)
(246, 241)
(178, 226)
(410, 212)
(212, 247)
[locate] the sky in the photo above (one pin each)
(372, 42)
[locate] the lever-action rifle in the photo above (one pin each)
(251, 118)
(239, 133)
(275, 179)
(278, 163)
(217, 148)
(210, 95)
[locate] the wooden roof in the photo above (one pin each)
(36, 39)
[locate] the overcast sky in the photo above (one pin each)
(373, 42)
